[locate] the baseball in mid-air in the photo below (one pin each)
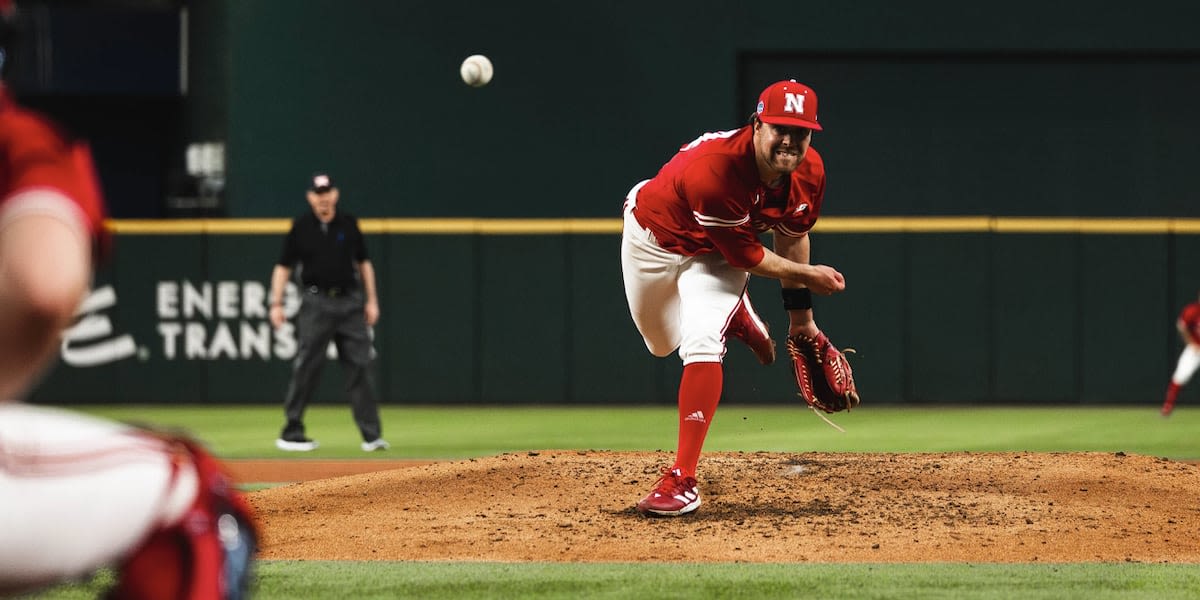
(476, 70)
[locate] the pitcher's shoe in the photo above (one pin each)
(673, 495)
(378, 444)
(296, 444)
(748, 327)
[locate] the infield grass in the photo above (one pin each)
(321, 580)
(423, 432)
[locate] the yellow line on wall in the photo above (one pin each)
(1093, 225)
(461, 226)
(404, 226)
(903, 224)
(182, 226)
(492, 226)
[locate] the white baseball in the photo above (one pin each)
(476, 70)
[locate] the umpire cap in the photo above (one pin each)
(321, 182)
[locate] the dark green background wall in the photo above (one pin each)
(972, 317)
(931, 108)
(934, 107)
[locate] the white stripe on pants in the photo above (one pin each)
(78, 493)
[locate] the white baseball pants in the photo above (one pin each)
(78, 493)
(677, 302)
(1189, 361)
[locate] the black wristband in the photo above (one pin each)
(796, 298)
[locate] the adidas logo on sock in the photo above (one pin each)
(696, 416)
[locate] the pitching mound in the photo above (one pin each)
(758, 507)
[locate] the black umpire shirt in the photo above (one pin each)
(329, 252)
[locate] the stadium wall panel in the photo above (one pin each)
(534, 312)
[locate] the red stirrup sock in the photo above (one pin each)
(1172, 393)
(699, 393)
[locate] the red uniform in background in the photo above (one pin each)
(1189, 320)
(1188, 325)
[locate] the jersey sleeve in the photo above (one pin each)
(1191, 320)
(716, 208)
(40, 160)
(807, 196)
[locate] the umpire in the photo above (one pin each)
(338, 303)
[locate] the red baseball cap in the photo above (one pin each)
(788, 103)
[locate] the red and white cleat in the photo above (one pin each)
(673, 495)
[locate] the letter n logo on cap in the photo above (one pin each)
(793, 103)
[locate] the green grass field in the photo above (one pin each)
(463, 432)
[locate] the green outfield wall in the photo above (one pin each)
(968, 309)
(1022, 108)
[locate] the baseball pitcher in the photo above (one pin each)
(689, 245)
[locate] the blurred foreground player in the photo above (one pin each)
(77, 493)
(1188, 325)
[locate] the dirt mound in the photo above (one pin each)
(282, 470)
(758, 507)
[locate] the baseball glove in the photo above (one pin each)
(822, 373)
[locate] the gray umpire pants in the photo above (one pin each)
(339, 319)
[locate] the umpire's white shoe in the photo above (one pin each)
(378, 444)
(296, 445)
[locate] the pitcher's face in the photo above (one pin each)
(779, 148)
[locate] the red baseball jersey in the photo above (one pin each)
(35, 155)
(709, 197)
(1190, 315)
